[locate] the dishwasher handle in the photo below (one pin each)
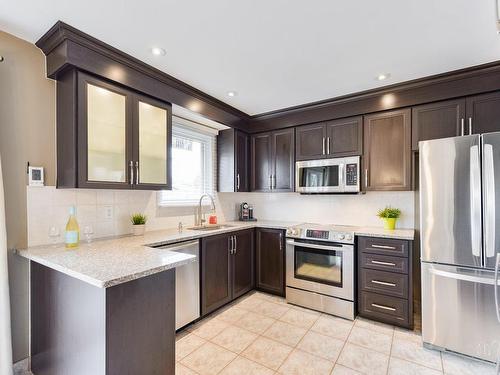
(178, 246)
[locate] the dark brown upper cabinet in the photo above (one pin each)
(270, 260)
(111, 137)
(310, 142)
(437, 120)
(233, 153)
(387, 150)
(272, 161)
(336, 138)
(483, 113)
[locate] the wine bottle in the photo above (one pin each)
(72, 236)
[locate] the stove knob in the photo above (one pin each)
(341, 236)
(348, 237)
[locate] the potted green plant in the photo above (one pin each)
(138, 224)
(390, 216)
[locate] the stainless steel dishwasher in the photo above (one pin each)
(187, 284)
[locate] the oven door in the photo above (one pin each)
(322, 267)
(319, 176)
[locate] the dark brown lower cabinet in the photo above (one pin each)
(227, 268)
(270, 256)
(385, 280)
(80, 329)
(243, 263)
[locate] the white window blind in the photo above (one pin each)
(193, 164)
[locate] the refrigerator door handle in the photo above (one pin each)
(489, 200)
(475, 201)
(497, 298)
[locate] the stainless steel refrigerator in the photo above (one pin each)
(460, 240)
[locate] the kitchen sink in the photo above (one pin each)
(210, 227)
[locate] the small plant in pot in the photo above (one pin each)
(390, 216)
(138, 224)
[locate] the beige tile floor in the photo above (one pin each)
(260, 334)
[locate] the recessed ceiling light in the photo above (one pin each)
(157, 51)
(232, 93)
(1, 58)
(383, 77)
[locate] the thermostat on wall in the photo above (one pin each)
(35, 176)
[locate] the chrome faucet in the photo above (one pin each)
(201, 215)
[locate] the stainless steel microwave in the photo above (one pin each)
(339, 175)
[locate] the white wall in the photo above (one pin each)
(357, 209)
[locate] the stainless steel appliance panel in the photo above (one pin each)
(187, 284)
(491, 198)
(314, 283)
(320, 302)
(337, 175)
(450, 201)
(458, 311)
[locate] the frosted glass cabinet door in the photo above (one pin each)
(153, 131)
(106, 135)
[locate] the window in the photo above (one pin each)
(193, 164)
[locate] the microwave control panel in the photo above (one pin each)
(351, 172)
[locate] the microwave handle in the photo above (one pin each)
(341, 174)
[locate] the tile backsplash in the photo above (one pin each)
(340, 209)
(108, 212)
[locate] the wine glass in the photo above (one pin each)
(54, 234)
(88, 231)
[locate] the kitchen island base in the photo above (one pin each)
(81, 329)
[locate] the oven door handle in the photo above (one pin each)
(320, 247)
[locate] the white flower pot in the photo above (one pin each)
(138, 230)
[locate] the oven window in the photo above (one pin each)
(319, 176)
(321, 266)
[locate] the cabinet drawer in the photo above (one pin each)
(387, 309)
(384, 262)
(384, 246)
(394, 284)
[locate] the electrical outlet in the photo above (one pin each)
(108, 212)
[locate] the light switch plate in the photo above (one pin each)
(108, 212)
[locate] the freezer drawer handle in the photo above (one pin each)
(383, 307)
(383, 283)
(383, 263)
(458, 276)
(384, 247)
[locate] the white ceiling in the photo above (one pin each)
(278, 53)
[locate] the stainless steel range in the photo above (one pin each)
(320, 268)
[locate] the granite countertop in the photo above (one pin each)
(108, 262)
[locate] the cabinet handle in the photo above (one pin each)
(271, 182)
(328, 145)
(323, 145)
(383, 307)
(235, 244)
(384, 247)
(230, 244)
(366, 177)
(383, 263)
(237, 182)
(137, 173)
(383, 283)
(462, 126)
(281, 241)
(131, 164)
(274, 182)
(470, 125)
